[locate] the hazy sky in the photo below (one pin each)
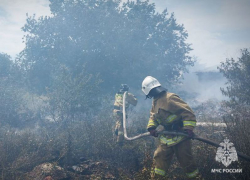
(217, 29)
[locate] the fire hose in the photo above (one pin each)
(241, 155)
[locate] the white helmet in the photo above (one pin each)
(149, 83)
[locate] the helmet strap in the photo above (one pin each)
(148, 97)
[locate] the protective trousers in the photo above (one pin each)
(164, 154)
(119, 127)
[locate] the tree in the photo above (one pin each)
(238, 75)
(121, 43)
(12, 106)
(237, 111)
(5, 65)
(73, 98)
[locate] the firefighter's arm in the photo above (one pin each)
(181, 108)
(152, 123)
(131, 99)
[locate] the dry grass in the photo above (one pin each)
(92, 138)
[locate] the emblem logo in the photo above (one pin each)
(227, 153)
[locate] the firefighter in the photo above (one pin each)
(170, 111)
(117, 112)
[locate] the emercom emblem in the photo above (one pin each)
(227, 153)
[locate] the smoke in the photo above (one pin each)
(203, 83)
(198, 86)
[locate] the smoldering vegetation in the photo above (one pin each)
(57, 96)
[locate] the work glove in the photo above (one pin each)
(153, 132)
(189, 132)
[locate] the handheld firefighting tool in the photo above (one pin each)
(243, 156)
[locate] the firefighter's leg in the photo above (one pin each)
(116, 125)
(162, 160)
(184, 155)
(118, 133)
(119, 130)
(120, 137)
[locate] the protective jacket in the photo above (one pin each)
(130, 99)
(170, 111)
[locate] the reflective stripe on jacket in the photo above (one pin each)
(168, 110)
